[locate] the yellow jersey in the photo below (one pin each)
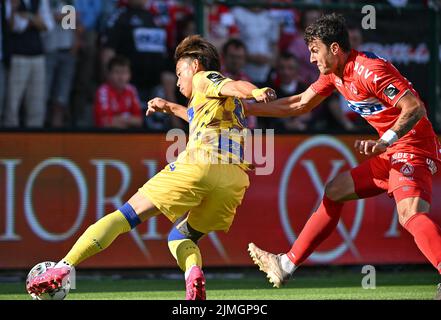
(218, 127)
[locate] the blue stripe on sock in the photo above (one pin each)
(184, 232)
(175, 235)
(130, 215)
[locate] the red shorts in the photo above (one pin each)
(402, 175)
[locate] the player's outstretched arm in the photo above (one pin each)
(162, 105)
(246, 90)
(286, 107)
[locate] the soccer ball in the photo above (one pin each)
(39, 269)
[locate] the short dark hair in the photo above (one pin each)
(196, 47)
(329, 28)
(233, 42)
(118, 61)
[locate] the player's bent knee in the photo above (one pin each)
(183, 231)
(341, 188)
(334, 190)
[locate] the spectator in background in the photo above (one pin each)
(61, 47)
(260, 33)
(117, 102)
(27, 76)
(5, 11)
(307, 71)
(221, 25)
(234, 57)
(133, 33)
(286, 82)
(86, 72)
(184, 27)
(287, 19)
(172, 15)
(108, 9)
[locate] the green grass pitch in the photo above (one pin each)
(316, 285)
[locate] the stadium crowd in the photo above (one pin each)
(120, 54)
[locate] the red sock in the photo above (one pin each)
(427, 236)
(317, 229)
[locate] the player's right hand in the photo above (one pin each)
(371, 147)
(157, 105)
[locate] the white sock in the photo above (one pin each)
(187, 273)
(287, 264)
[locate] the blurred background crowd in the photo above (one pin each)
(120, 54)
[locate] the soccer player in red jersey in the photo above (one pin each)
(402, 162)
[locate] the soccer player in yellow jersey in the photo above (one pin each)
(197, 195)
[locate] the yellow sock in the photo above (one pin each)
(98, 237)
(186, 253)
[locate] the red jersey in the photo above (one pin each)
(373, 86)
(109, 103)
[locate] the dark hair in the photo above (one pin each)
(118, 61)
(196, 47)
(233, 42)
(329, 28)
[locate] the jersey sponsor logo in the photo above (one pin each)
(403, 155)
(367, 107)
(407, 170)
(391, 91)
(216, 78)
(150, 40)
(361, 70)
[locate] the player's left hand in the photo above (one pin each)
(371, 147)
(264, 95)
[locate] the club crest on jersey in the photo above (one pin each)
(216, 78)
(407, 170)
(353, 88)
(391, 91)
